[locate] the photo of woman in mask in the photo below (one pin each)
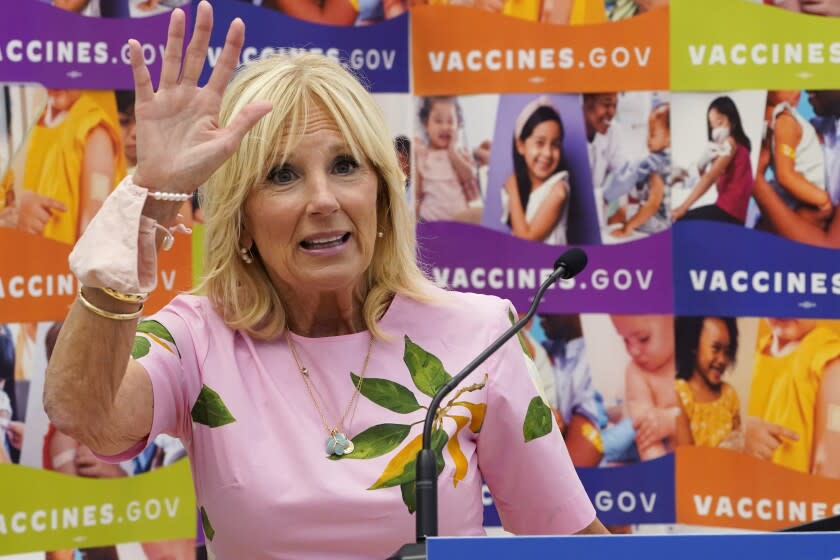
(724, 163)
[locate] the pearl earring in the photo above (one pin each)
(380, 234)
(245, 255)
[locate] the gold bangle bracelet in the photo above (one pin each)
(126, 297)
(108, 314)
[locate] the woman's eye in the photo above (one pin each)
(345, 165)
(281, 175)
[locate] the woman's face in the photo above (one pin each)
(541, 150)
(649, 339)
(712, 352)
(442, 125)
(599, 111)
(313, 220)
(719, 120)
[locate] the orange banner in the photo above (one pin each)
(36, 283)
(725, 488)
(458, 50)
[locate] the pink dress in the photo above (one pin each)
(443, 195)
(263, 481)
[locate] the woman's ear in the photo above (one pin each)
(520, 146)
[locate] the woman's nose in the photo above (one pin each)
(322, 199)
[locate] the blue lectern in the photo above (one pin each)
(742, 546)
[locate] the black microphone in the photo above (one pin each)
(567, 266)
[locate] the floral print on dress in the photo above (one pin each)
(428, 375)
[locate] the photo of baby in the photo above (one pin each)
(716, 143)
(631, 161)
(632, 364)
(540, 187)
(451, 152)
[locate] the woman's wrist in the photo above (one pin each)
(162, 203)
(102, 300)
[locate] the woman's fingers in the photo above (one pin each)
(171, 68)
(143, 90)
(197, 49)
(243, 122)
(229, 57)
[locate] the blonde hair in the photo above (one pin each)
(243, 294)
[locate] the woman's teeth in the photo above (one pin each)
(325, 242)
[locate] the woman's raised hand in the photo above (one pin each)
(180, 142)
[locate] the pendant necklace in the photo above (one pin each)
(337, 441)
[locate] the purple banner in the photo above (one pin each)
(59, 49)
(782, 279)
(379, 56)
(633, 278)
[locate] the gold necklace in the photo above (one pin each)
(337, 443)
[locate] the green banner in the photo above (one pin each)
(724, 45)
(44, 510)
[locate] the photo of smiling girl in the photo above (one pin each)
(710, 410)
(543, 180)
(535, 196)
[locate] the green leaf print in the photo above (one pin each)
(401, 468)
(155, 328)
(205, 524)
(140, 347)
(387, 394)
(537, 420)
(519, 335)
(426, 369)
(210, 410)
(409, 495)
(376, 441)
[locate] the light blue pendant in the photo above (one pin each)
(338, 444)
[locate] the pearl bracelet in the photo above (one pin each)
(170, 196)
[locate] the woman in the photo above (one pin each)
(730, 169)
(299, 382)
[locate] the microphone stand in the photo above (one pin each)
(426, 469)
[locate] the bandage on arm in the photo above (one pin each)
(826, 450)
(62, 451)
(786, 136)
(97, 179)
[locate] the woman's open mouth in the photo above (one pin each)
(330, 241)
